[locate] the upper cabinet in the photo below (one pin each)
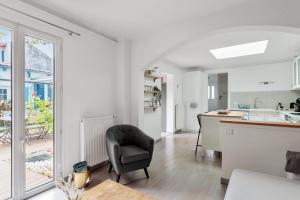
(296, 73)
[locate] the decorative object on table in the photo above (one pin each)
(81, 174)
(69, 188)
(110, 190)
(128, 149)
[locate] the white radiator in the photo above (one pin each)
(92, 138)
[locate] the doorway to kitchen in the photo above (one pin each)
(217, 91)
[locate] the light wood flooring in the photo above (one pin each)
(175, 173)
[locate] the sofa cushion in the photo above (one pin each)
(132, 153)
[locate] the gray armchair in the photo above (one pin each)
(128, 149)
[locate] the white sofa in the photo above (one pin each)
(248, 185)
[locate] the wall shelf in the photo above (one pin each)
(150, 108)
(154, 77)
(151, 92)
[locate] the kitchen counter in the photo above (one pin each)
(265, 117)
(212, 123)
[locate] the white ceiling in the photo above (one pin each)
(131, 18)
(281, 47)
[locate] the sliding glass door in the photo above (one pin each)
(6, 131)
(29, 111)
(39, 118)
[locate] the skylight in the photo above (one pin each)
(246, 49)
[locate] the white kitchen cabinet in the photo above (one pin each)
(257, 148)
(296, 73)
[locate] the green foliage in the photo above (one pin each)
(40, 112)
(4, 106)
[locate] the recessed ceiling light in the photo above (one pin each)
(246, 49)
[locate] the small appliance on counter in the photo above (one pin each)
(297, 105)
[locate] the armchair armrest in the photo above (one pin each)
(144, 141)
(113, 151)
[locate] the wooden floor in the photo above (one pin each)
(33, 179)
(175, 172)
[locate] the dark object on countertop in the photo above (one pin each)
(292, 162)
(297, 107)
(199, 121)
(128, 149)
(292, 105)
(280, 106)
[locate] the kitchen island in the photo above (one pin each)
(255, 140)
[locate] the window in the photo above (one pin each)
(211, 92)
(208, 92)
(3, 94)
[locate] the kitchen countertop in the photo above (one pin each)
(260, 123)
(236, 117)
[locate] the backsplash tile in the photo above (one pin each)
(268, 99)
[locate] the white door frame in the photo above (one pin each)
(18, 108)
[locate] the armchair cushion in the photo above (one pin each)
(133, 153)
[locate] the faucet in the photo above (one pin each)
(255, 102)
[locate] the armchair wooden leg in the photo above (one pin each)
(110, 167)
(146, 172)
(118, 178)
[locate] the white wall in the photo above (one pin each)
(148, 50)
(89, 64)
(246, 79)
(174, 90)
(192, 93)
(152, 120)
(170, 111)
(123, 75)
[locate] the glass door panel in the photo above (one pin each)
(39, 112)
(298, 73)
(5, 113)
